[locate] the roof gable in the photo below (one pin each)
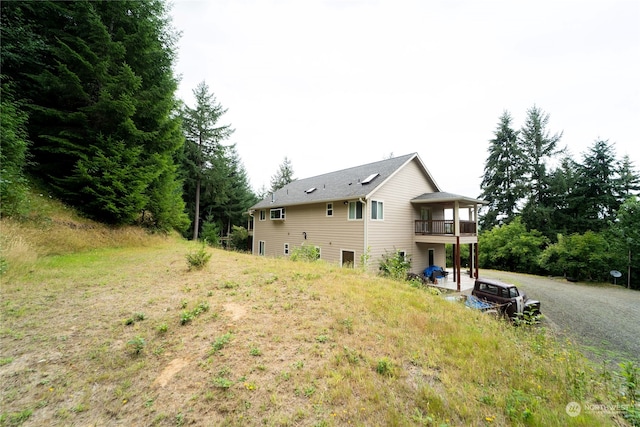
(347, 184)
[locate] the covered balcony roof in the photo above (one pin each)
(444, 198)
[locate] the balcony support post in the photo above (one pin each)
(457, 261)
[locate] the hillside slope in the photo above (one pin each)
(130, 336)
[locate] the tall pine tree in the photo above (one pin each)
(539, 147)
(203, 147)
(283, 176)
(628, 182)
(595, 193)
(502, 183)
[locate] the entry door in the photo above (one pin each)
(425, 215)
(348, 258)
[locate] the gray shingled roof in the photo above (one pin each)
(344, 184)
(444, 197)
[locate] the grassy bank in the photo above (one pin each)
(125, 334)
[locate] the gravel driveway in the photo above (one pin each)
(604, 318)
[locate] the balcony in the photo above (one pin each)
(443, 227)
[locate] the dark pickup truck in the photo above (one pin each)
(512, 301)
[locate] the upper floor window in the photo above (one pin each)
(377, 210)
(329, 209)
(263, 215)
(277, 213)
(355, 210)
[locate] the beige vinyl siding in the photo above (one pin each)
(396, 230)
(332, 234)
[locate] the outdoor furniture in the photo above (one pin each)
(434, 272)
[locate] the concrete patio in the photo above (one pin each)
(466, 282)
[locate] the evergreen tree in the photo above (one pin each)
(628, 182)
(595, 190)
(501, 182)
(241, 196)
(283, 176)
(538, 147)
(203, 149)
(565, 209)
(144, 29)
(13, 154)
(228, 195)
(100, 90)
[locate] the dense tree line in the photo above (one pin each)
(551, 214)
(89, 111)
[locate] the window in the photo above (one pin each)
(263, 215)
(348, 259)
(261, 247)
(376, 210)
(286, 249)
(490, 289)
(277, 214)
(329, 209)
(355, 210)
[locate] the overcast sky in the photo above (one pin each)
(335, 84)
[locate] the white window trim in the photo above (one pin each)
(329, 210)
(349, 210)
(281, 216)
(286, 249)
(262, 216)
(378, 204)
(262, 245)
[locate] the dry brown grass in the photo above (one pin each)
(307, 342)
(52, 228)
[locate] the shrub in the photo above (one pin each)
(198, 259)
(137, 344)
(188, 315)
(239, 238)
(220, 342)
(307, 253)
(210, 232)
(395, 265)
(384, 367)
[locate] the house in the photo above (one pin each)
(368, 211)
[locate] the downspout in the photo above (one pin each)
(364, 225)
(476, 252)
(456, 232)
(253, 237)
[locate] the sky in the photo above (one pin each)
(334, 84)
